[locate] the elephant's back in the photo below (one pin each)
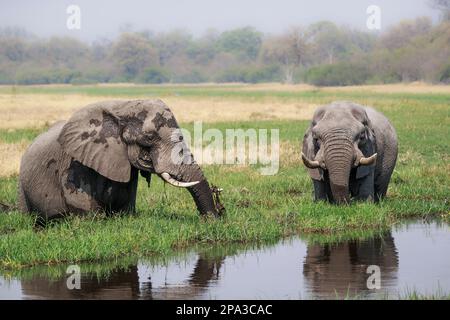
(42, 146)
(40, 169)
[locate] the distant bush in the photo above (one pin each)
(391, 77)
(97, 75)
(339, 74)
(263, 74)
(5, 77)
(445, 75)
(154, 75)
(46, 76)
(191, 77)
(82, 80)
(250, 74)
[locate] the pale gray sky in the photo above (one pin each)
(104, 18)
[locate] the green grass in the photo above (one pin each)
(260, 209)
(224, 92)
(17, 135)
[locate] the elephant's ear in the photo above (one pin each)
(309, 151)
(92, 136)
(368, 148)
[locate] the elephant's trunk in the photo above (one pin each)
(201, 192)
(203, 198)
(339, 157)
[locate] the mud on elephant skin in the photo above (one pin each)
(92, 161)
(350, 151)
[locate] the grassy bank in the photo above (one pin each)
(259, 208)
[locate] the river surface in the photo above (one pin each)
(414, 256)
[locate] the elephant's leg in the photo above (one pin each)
(380, 190)
(364, 188)
(23, 203)
(320, 190)
(381, 184)
(131, 192)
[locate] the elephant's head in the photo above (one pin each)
(113, 137)
(340, 139)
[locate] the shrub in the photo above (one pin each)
(445, 75)
(250, 74)
(46, 76)
(339, 74)
(191, 77)
(83, 80)
(154, 75)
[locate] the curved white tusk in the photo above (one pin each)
(312, 164)
(368, 161)
(177, 183)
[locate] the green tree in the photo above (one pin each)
(172, 43)
(245, 42)
(132, 53)
(290, 50)
(329, 42)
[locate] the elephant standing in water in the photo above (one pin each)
(92, 161)
(349, 150)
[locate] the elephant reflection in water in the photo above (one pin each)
(124, 283)
(341, 269)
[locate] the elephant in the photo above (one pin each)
(349, 150)
(342, 268)
(92, 161)
(125, 283)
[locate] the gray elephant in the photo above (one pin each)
(340, 269)
(92, 161)
(349, 150)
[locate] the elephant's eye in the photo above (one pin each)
(148, 138)
(316, 142)
(362, 136)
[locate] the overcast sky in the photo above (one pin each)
(104, 18)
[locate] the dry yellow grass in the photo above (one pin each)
(10, 155)
(37, 110)
(414, 87)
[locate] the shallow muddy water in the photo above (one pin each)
(412, 256)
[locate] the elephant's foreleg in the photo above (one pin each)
(364, 188)
(23, 203)
(380, 190)
(320, 190)
(133, 185)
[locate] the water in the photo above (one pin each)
(413, 256)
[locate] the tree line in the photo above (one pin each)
(322, 53)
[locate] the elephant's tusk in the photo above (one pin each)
(177, 183)
(311, 164)
(368, 161)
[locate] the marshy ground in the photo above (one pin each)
(259, 208)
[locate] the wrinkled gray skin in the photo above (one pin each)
(339, 135)
(92, 161)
